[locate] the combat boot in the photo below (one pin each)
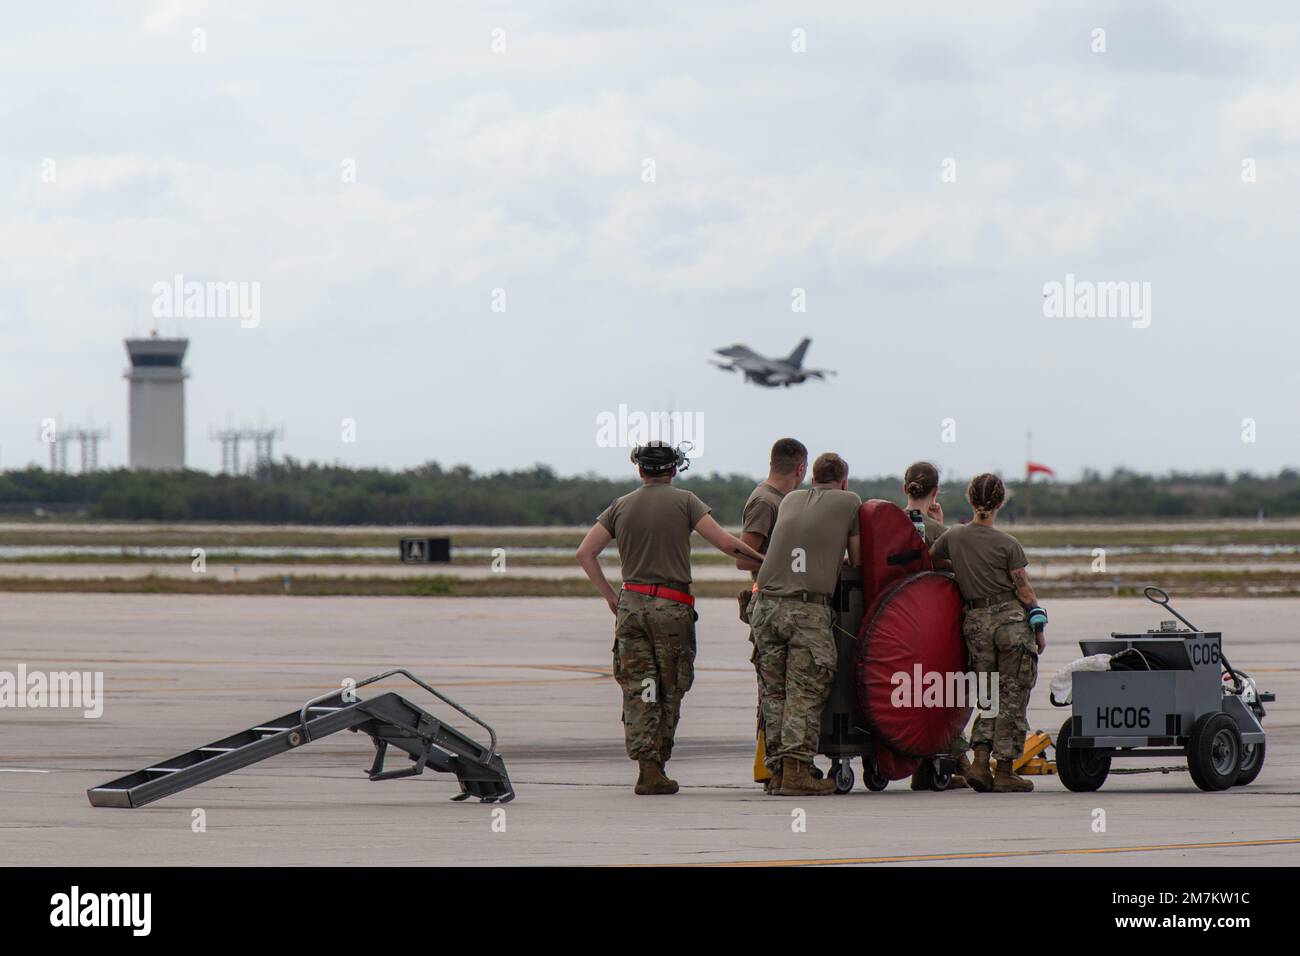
(797, 781)
(1007, 780)
(958, 780)
(773, 783)
(978, 777)
(652, 780)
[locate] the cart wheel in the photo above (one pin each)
(1214, 752)
(815, 771)
(938, 779)
(872, 778)
(1082, 771)
(1252, 762)
(844, 777)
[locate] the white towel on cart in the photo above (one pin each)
(1063, 682)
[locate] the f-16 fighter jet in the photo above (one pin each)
(770, 372)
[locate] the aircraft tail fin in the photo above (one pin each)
(796, 357)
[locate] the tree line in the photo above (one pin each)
(302, 493)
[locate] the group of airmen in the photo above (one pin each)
(794, 541)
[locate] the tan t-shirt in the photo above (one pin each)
(653, 526)
(819, 521)
(933, 529)
(759, 515)
(982, 559)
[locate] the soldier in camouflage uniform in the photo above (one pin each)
(788, 464)
(654, 630)
(792, 621)
(1003, 629)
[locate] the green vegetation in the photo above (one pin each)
(1190, 583)
(295, 493)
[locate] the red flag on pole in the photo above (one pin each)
(1033, 467)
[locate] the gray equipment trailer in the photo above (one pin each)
(1190, 703)
(388, 719)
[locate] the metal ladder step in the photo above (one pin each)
(388, 719)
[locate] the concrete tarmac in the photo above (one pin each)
(184, 671)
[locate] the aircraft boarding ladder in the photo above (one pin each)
(389, 719)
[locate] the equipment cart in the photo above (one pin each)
(1184, 700)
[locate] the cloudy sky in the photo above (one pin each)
(921, 171)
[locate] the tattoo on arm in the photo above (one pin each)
(1020, 578)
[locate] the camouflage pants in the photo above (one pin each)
(796, 663)
(761, 771)
(654, 664)
(1000, 641)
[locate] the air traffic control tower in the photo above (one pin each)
(157, 402)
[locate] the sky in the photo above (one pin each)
(476, 230)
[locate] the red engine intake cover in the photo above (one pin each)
(891, 548)
(913, 630)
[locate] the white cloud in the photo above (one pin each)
(522, 170)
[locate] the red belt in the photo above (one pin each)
(659, 591)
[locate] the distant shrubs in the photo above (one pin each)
(430, 495)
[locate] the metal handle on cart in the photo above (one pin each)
(302, 715)
(1163, 601)
(1150, 591)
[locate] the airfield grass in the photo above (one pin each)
(1139, 535)
(563, 559)
(1185, 583)
(1190, 573)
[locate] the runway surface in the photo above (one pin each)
(183, 671)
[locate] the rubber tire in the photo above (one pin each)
(844, 778)
(932, 779)
(1200, 751)
(1078, 773)
(872, 778)
(1247, 773)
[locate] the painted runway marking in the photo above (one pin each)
(20, 770)
(1060, 851)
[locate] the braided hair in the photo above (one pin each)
(920, 479)
(986, 494)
